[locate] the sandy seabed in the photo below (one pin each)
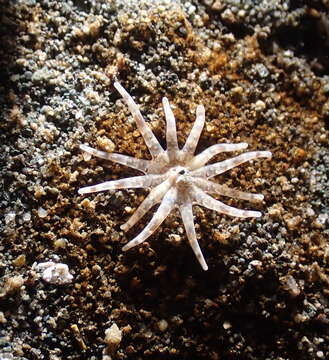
(261, 69)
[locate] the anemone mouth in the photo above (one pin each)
(181, 170)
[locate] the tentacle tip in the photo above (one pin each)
(257, 214)
(83, 147)
(244, 145)
(259, 197)
(268, 154)
(126, 247)
(205, 267)
(81, 191)
(124, 227)
(200, 110)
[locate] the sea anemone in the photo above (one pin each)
(176, 177)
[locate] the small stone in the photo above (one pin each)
(39, 191)
(323, 138)
(227, 325)
(237, 90)
(310, 212)
(290, 284)
(320, 221)
(228, 16)
(299, 154)
(261, 70)
(26, 216)
(3, 320)
(86, 156)
(76, 331)
(260, 105)
(93, 28)
(106, 144)
(115, 236)
(12, 285)
(300, 318)
(256, 263)
(113, 337)
(60, 243)
(210, 128)
(42, 212)
(275, 210)
(175, 238)
(19, 261)
(162, 325)
(48, 111)
(87, 204)
(221, 236)
(128, 209)
(217, 5)
(294, 222)
(10, 218)
(92, 96)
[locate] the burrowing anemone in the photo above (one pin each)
(176, 177)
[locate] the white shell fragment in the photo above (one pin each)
(54, 273)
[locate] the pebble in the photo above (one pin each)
(3, 320)
(113, 337)
(260, 105)
(42, 213)
(20, 260)
(162, 325)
